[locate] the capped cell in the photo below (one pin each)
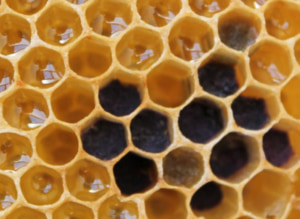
(27, 7)
(208, 8)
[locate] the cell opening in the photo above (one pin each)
(72, 210)
(26, 213)
(208, 8)
(8, 192)
(26, 7)
(254, 3)
(6, 74)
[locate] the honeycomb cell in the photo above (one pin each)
(297, 51)
(166, 204)
(201, 120)
(282, 25)
(6, 74)
(25, 109)
(183, 167)
(41, 185)
(104, 139)
(109, 17)
(26, 213)
(77, 2)
(208, 7)
(90, 57)
(132, 167)
(139, 48)
(170, 84)
(150, 131)
(254, 3)
(41, 67)
(73, 100)
(15, 151)
(8, 192)
(158, 12)
(239, 29)
(190, 38)
(244, 217)
(296, 183)
(27, 7)
(294, 213)
(59, 25)
(274, 191)
(15, 34)
(72, 210)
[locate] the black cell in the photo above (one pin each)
(201, 120)
(104, 139)
(277, 147)
(250, 113)
(218, 79)
(134, 174)
(229, 155)
(119, 99)
(207, 197)
(150, 131)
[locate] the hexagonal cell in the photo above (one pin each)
(274, 191)
(27, 7)
(201, 120)
(104, 139)
(73, 100)
(190, 38)
(41, 67)
(166, 204)
(114, 208)
(239, 29)
(213, 200)
(183, 167)
(297, 51)
(8, 192)
(25, 109)
(294, 213)
(254, 3)
(15, 151)
(15, 34)
(77, 2)
(90, 57)
(59, 25)
(282, 25)
(296, 183)
(72, 210)
(245, 217)
(234, 157)
(6, 74)
(208, 7)
(132, 167)
(41, 185)
(150, 131)
(109, 17)
(26, 213)
(139, 48)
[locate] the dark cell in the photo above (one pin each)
(150, 131)
(218, 79)
(119, 99)
(229, 155)
(104, 139)
(207, 197)
(134, 174)
(201, 120)
(277, 147)
(250, 113)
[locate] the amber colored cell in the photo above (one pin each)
(87, 180)
(25, 109)
(254, 3)
(26, 213)
(191, 38)
(296, 182)
(8, 192)
(294, 213)
(6, 74)
(158, 12)
(109, 17)
(73, 100)
(274, 191)
(297, 51)
(139, 48)
(15, 34)
(77, 2)
(41, 185)
(27, 7)
(166, 204)
(285, 24)
(69, 210)
(245, 217)
(90, 57)
(41, 67)
(208, 7)
(59, 25)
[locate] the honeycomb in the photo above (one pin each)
(150, 109)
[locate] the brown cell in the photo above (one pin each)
(6, 74)
(8, 192)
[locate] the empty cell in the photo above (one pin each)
(208, 7)
(190, 38)
(166, 204)
(290, 97)
(27, 7)
(132, 167)
(72, 210)
(139, 48)
(104, 139)
(26, 213)
(170, 84)
(150, 131)
(297, 51)
(8, 192)
(41, 67)
(90, 57)
(201, 120)
(25, 109)
(58, 25)
(285, 24)
(254, 3)
(15, 34)
(41, 185)
(77, 2)
(6, 74)
(183, 167)
(73, 100)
